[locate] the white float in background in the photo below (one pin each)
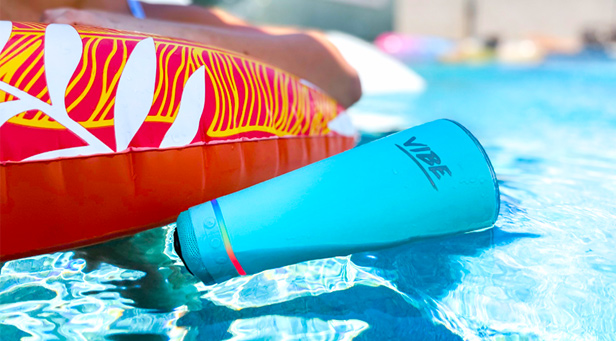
(388, 85)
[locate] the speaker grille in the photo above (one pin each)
(190, 248)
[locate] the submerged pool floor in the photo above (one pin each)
(546, 271)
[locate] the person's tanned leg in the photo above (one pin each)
(307, 54)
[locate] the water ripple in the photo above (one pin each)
(311, 278)
(295, 328)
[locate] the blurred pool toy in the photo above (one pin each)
(524, 51)
(426, 181)
(104, 133)
(471, 51)
(413, 48)
(528, 51)
(388, 86)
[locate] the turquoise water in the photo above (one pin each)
(547, 270)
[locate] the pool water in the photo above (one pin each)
(546, 271)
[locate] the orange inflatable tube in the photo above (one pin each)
(105, 133)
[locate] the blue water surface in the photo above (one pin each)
(546, 271)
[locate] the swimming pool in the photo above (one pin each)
(547, 270)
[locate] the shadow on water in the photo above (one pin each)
(164, 287)
(11, 332)
(388, 314)
(430, 267)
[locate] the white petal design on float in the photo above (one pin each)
(63, 50)
(12, 108)
(135, 92)
(6, 28)
(67, 152)
(186, 124)
(7, 108)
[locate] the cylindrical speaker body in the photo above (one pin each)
(429, 180)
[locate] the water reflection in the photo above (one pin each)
(91, 293)
(273, 327)
(554, 286)
(311, 278)
(46, 295)
(164, 285)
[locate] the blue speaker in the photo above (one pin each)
(430, 180)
